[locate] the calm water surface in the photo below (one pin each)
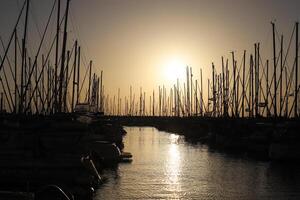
(165, 166)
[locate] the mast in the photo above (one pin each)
(286, 89)
(208, 88)
(90, 82)
(256, 81)
(243, 97)
(63, 58)
(187, 91)
(223, 86)
(234, 85)
(56, 55)
(214, 89)
(296, 74)
(196, 98)
(251, 84)
(226, 88)
(66, 83)
(74, 77)
(201, 94)
(23, 55)
(237, 91)
(281, 69)
(130, 101)
(267, 90)
(191, 92)
(274, 62)
(101, 92)
(178, 99)
(16, 80)
(78, 76)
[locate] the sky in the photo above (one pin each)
(147, 43)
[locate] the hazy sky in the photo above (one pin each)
(136, 42)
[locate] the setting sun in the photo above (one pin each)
(174, 68)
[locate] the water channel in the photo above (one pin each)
(166, 166)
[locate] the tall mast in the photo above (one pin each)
(56, 55)
(274, 62)
(256, 81)
(226, 88)
(243, 96)
(178, 98)
(234, 85)
(130, 101)
(78, 76)
(187, 91)
(201, 94)
(101, 92)
(16, 80)
(286, 89)
(66, 83)
(281, 69)
(223, 86)
(63, 57)
(208, 100)
(90, 82)
(191, 92)
(196, 98)
(267, 90)
(74, 77)
(23, 55)
(214, 89)
(237, 91)
(296, 74)
(252, 84)
(153, 106)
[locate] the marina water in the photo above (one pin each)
(166, 166)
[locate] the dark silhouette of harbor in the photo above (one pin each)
(59, 128)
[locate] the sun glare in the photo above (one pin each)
(174, 68)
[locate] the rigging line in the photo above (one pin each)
(7, 84)
(5, 94)
(40, 46)
(289, 46)
(80, 40)
(52, 97)
(285, 60)
(8, 60)
(34, 19)
(43, 66)
(9, 64)
(28, 49)
(286, 94)
(86, 71)
(11, 37)
(68, 78)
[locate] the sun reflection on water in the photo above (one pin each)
(173, 166)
